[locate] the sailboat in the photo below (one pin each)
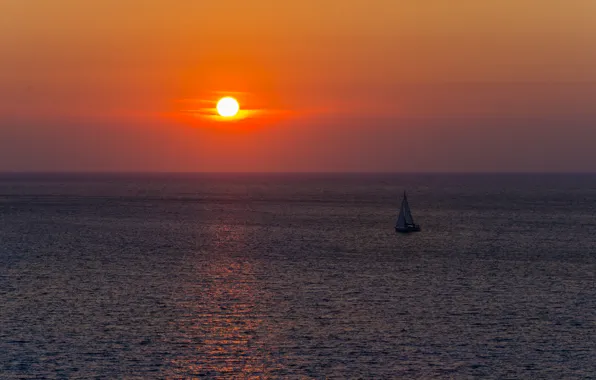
(405, 222)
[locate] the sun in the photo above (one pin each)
(227, 107)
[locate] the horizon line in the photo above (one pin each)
(146, 172)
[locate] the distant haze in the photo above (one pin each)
(378, 85)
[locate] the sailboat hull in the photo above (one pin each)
(414, 228)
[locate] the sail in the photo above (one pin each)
(401, 219)
(406, 209)
(405, 218)
(405, 221)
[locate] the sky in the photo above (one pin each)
(352, 85)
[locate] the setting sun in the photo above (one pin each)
(227, 107)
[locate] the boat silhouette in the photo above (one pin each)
(405, 221)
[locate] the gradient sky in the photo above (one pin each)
(353, 85)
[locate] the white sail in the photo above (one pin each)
(405, 221)
(401, 219)
(406, 209)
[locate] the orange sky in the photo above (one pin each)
(334, 85)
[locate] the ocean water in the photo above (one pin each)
(297, 276)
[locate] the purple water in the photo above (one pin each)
(297, 276)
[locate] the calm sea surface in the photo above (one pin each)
(297, 276)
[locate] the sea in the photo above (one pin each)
(297, 276)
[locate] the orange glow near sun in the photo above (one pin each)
(236, 110)
(227, 107)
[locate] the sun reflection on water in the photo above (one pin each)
(222, 319)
